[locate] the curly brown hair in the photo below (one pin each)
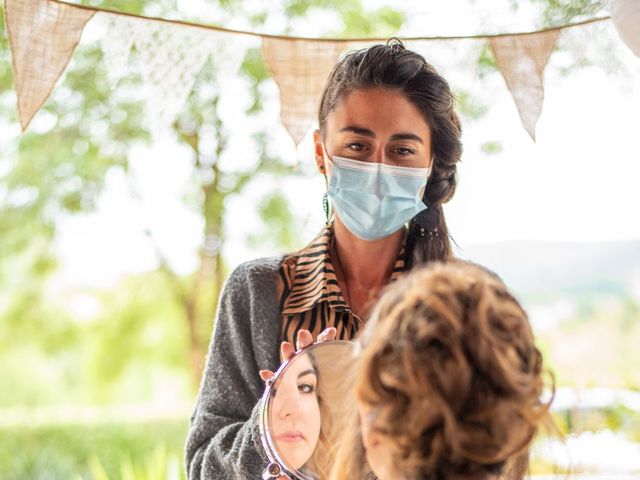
(452, 375)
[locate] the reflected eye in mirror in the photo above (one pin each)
(303, 407)
(306, 388)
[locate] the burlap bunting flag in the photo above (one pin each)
(44, 33)
(42, 36)
(521, 60)
(300, 68)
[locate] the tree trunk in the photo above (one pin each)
(208, 280)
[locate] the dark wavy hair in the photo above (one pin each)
(392, 66)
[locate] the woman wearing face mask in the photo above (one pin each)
(388, 143)
(448, 382)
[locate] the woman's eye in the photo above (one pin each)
(356, 147)
(306, 388)
(403, 151)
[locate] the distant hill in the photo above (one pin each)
(549, 269)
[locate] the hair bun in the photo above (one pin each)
(453, 374)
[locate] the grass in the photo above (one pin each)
(153, 449)
(140, 451)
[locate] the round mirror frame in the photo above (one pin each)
(277, 467)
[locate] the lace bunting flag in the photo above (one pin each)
(116, 43)
(170, 58)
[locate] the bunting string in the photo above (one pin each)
(43, 34)
(343, 39)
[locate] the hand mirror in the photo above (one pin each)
(303, 407)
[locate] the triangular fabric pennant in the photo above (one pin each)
(625, 15)
(42, 37)
(521, 60)
(170, 56)
(300, 68)
(116, 43)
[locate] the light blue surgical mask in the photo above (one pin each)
(374, 200)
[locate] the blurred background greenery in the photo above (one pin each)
(99, 381)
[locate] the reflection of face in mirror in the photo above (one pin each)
(295, 412)
(304, 407)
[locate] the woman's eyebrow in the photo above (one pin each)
(406, 136)
(365, 132)
(359, 130)
(310, 371)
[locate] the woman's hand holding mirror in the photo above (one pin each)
(303, 340)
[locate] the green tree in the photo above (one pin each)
(557, 12)
(56, 172)
(216, 185)
(60, 171)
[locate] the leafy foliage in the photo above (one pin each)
(557, 12)
(58, 168)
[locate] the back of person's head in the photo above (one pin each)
(449, 381)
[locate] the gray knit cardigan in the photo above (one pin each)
(224, 441)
